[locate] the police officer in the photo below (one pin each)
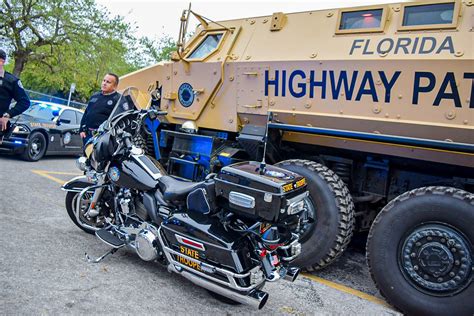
(100, 106)
(10, 88)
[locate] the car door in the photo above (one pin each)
(68, 125)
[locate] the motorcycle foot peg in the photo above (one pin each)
(291, 274)
(99, 259)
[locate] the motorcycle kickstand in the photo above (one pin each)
(99, 259)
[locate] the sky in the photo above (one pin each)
(153, 18)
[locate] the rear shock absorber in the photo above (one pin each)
(343, 170)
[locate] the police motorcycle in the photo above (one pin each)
(229, 234)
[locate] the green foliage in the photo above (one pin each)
(157, 50)
(53, 43)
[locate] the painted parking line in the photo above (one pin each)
(48, 175)
(339, 287)
(347, 290)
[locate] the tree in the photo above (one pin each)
(57, 42)
(157, 50)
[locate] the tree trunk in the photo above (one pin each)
(20, 62)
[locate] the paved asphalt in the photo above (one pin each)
(43, 272)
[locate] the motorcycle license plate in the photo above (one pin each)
(186, 261)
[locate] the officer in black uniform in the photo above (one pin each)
(10, 88)
(100, 106)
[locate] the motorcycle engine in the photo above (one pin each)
(146, 244)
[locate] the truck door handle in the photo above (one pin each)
(253, 106)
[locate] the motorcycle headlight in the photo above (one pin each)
(81, 163)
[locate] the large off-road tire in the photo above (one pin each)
(420, 252)
(36, 147)
(97, 221)
(331, 208)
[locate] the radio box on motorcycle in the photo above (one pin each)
(243, 188)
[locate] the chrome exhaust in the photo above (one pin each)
(254, 298)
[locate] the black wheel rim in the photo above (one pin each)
(36, 147)
(308, 220)
(437, 259)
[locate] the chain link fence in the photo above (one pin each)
(35, 95)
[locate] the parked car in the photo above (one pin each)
(46, 128)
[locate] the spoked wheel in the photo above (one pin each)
(87, 223)
(36, 147)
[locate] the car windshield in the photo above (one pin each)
(130, 99)
(42, 110)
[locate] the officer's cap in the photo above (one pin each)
(3, 55)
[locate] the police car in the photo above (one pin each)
(44, 128)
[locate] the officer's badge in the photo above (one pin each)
(67, 138)
(110, 102)
(20, 84)
(125, 106)
(1, 82)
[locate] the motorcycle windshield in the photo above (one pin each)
(131, 99)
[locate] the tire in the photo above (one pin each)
(71, 206)
(410, 251)
(36, 147)
(327, 237)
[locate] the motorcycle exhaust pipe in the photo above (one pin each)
(291, 274)
(254, 298)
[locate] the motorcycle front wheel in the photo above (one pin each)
(89, 224)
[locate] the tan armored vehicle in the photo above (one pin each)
(373, 105)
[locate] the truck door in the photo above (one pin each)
(251, 97)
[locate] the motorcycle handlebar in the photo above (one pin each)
(153, 114)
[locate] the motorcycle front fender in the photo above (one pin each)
(77, 184)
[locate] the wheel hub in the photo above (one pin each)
(437, 259)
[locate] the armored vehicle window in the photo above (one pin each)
(207, 46)
(429, 16)
(367, 19)
(361, 20)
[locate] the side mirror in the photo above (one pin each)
(62, 121)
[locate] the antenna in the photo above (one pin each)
(263, 164)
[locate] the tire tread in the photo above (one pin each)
(345, 206)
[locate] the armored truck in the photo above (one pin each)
(373, 105)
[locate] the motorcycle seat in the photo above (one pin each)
(176, 190)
